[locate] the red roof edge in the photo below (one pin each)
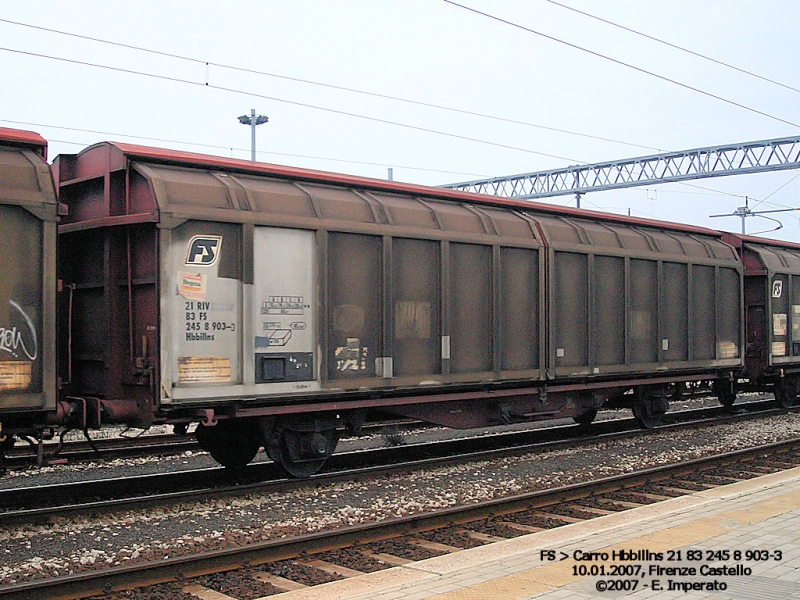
(21, 137)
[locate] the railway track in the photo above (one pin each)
(170, 444)
(41, 503)
(165, 444)
(291, 563)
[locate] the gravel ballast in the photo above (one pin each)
(70, 545)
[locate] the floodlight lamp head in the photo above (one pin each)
(261, 119)
(244, 119)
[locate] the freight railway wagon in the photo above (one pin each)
(772, 317)
(275, 306)
(28, 215)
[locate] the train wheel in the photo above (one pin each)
(231, 444)
(724, 392)
(302, 453)
(786, 392)
(585, 419)
(650, 406)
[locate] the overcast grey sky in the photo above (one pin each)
(428, 51)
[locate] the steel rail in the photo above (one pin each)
(144, 445)
(151, 573)
(196, 484)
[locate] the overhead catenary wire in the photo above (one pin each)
(621, 63)
(208, 64)
(764, 201)
(290, 102)
(675, 46)
(709, 191)
(219, 147)
(714, 192)
(322, 158)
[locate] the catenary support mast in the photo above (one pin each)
(716, 161)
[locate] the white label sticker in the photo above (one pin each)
(779, 324)
(192, 286)
(204, 369)
(15, 375)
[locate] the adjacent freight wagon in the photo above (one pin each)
(772, 314)
(28, 216)
(276, 306)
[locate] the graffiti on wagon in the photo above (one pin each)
(20, 341)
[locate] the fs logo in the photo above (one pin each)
(203, 250)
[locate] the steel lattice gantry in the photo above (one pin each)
(716, 161)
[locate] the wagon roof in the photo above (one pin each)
(191, 159)
(21, 137)
(737, 240)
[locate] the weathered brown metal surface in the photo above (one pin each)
(519, 309)
(28, 213)
(470, 328)
(354, 305)
(775, 271)
(118, 153)
(636, 299)
(109, 265)
(411, 287)
(416, 307)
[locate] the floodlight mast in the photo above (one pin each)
(252, 120)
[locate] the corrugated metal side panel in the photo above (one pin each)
(778, 260)
(703, 313)
(643, 312)
(609, 310)
(407, 212)
(354, 305)
(519, 309)
(795, 316)
(631, 238)
(25, 179)
(675, 313)
(416, 348)
(272, 196)
(457, 218)
(196, 193)
(471, 308)
(21, 309)
(510, 225)
(27, 276)
(187, 188)
(570, 306)
(340, 204)
(729, 314)
(617, 238)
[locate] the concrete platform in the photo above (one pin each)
(757, 522)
